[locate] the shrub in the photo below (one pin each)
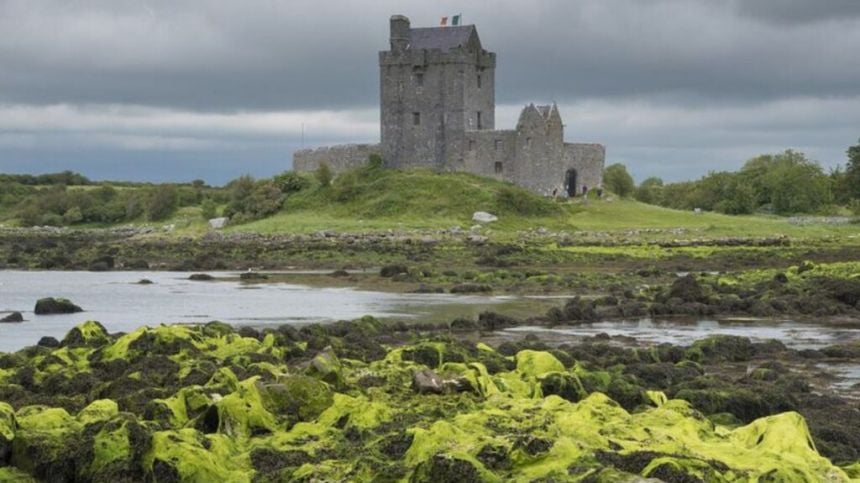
(163, 201)
(208, 209)
(291, 182)
(324, 175)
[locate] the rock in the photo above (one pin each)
(50, 305)
(13, 317)
(145, 281)
(48, 341)
(339, 273)
(327, 367)
(393, 269)
(687, 289)
(218, 223)
(471, 288)
(253, 276)
(477, 239)
(426, 381)
(201, 277)
(302, 397)
(484, 217)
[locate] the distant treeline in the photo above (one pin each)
(67, 198)
(785, 183)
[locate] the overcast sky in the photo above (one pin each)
(212, 89)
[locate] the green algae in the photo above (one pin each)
(101, 410)
(331, 418)
(187, 455)
(536, 363)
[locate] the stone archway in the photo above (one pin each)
(570, 182)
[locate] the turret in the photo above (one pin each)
(399, 33)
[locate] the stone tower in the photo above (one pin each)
(435, 84)
(437, 102)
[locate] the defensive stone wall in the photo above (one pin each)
(588, 160)
(339, 158)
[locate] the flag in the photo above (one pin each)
(444, 21)
(455, 20)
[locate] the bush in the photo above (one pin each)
(291, 182)
(163, 201)
(208, 209)
(617, 180)
(324, 175)
(251, 200)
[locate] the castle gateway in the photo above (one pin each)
(438, 102)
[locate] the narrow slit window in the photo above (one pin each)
(416, 118)
(480, 122)
(479, 81)
(498, 167)
(529, 142)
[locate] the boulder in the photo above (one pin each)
(50, 305)
(218, 223)
(484, 217)
(13, 317)
(426, 381)
(201, 277)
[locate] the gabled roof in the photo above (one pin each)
(443, 38)
(544, 111)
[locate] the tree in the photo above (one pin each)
(852, 172)
(617, 180)
(649, 191)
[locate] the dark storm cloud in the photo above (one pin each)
(209, 55)
(672, 87)
(799, 11)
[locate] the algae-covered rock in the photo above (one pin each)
(101, 410)
(537, 363)
(7, 431)
(45, 443)
(90, 333)
(188, 455)
(300, 398)
(50, 305)
(326, 366)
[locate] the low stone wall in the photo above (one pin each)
(339, 158)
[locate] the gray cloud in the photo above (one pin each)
(672, 87)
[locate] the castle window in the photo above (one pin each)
(498, 167)
(480, 124)
(419, 79)
(479, 81)
(529, 142)
(498, 144)
(416, 118)
(471, 145)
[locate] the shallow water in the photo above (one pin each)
(118, 302)
(798, 335)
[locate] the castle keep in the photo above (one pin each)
(438, 102)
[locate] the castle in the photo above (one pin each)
(437, 101)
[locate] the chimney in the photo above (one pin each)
(399, 33)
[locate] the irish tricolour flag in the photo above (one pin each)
(455, 20)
